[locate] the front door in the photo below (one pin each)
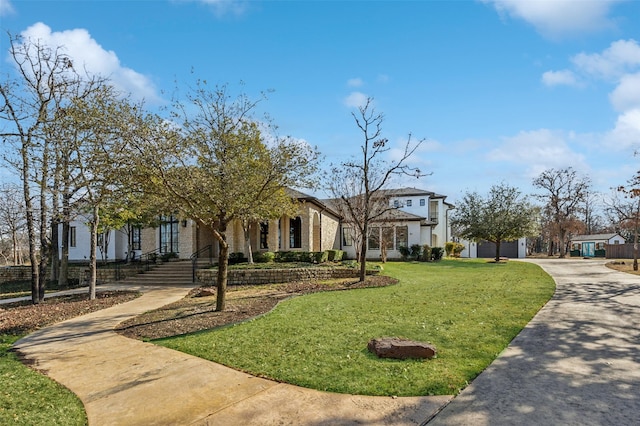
(589, 249)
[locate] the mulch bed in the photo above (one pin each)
(195, 313)
(25, 317)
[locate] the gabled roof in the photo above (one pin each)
(595, 237)
(301, 196)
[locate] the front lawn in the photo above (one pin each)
(29, 398)
(469, 309)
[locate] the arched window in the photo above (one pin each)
(295, 233)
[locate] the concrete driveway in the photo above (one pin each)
(576, 363)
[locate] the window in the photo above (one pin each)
(387, 237)
(374, 238)
(422, 202)
(72, 236)
(396, 203)
(295, 233)
(408, 203)
(402, 236)
(136, 238)
(264, 234)
(433, 211)
(347, 236)
(169, 234)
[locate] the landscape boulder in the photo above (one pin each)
(394, 347)
(205, 292)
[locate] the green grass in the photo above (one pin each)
(469, 309)
(29, 398)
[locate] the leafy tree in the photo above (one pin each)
(217, 167)
(564, 200)
(357, 184)
(103, 123)
(503, 215)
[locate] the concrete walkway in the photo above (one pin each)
(127, 382)
(576, 363)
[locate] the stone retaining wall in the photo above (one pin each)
(76, 272)
(208, 277)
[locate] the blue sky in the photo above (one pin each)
(499, 89)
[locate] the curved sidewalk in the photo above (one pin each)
(127, 382)
(576, 363)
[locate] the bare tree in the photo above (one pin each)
(563, 200)
(626, 211)
(28, 104)
(12, 221)
(357, 184)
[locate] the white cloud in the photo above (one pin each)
(560, 78)
(619, 58)
(626, 96)
(6, 8)
(356, 99)
(558, 17)
(538, 150)
(355, 82)
(626, 133)
(86, 53)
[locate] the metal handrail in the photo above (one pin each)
(145, 258)
(194, 260)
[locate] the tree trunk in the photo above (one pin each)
(363, 254)
(497, 251)
(63, 278)
(563, 235)
(246, 229)
(55, 250)
(31, 225)
(14, 238)
(635, 246)
(93, 263)
(223, 263)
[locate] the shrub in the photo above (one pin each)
(166, 256)
(437, 253)
(264, 257)
(321, 256)
(448, 247)
(335, 255)
(295, 256)
(416, 249)
(453, 249)
(237, 257)
(353, 264)
(404, 252)
(307, 256)
(426, 253)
